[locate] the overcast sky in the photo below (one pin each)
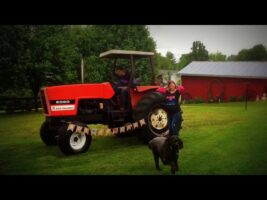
(228, 39)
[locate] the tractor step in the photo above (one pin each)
(118, 116)
(118, 121)
(119, 113)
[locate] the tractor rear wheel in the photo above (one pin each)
(73, 142)
(47, 134)
(151, 108)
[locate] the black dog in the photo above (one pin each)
(167, 149)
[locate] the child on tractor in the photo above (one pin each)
(120, 86)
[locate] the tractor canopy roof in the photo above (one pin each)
(125, 54)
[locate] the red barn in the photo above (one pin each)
(223, 81)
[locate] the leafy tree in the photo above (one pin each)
(243, 55)
(32, 53)
(199, 52)
(171, 57)
(126, 37)
(256, 53)
(217, 57)
(12, 42)
(163, 62)
(184, 60)
(231, 58)
(45, 52)
(84, 39)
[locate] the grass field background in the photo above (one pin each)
(221, 139)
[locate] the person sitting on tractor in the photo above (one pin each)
(123, 77)
(159, 81)
(120, 86)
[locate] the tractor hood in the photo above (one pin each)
(80, 91)
(63, 100)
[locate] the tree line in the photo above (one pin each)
(199, 53)
(32, 56)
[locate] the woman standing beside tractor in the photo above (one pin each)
(172, 102)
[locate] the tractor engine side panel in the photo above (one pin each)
(63, 100)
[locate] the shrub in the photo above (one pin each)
(198, 100)
(188, 101)
(242, 98)
(211, 101)
(232, 98)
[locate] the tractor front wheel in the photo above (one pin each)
(47, 134)
(73, 142)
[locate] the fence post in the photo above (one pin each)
(246, 101)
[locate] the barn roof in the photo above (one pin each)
(226, 69)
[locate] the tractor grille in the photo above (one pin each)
(43, 101)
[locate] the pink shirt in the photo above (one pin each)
(180, 88)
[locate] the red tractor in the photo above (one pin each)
(69, 108)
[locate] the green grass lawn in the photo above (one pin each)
(219, 139)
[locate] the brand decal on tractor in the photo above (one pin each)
(63, 107)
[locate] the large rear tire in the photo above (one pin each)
(151, 108)
(47, 134)
(72, 142)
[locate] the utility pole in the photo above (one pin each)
(82, 69)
